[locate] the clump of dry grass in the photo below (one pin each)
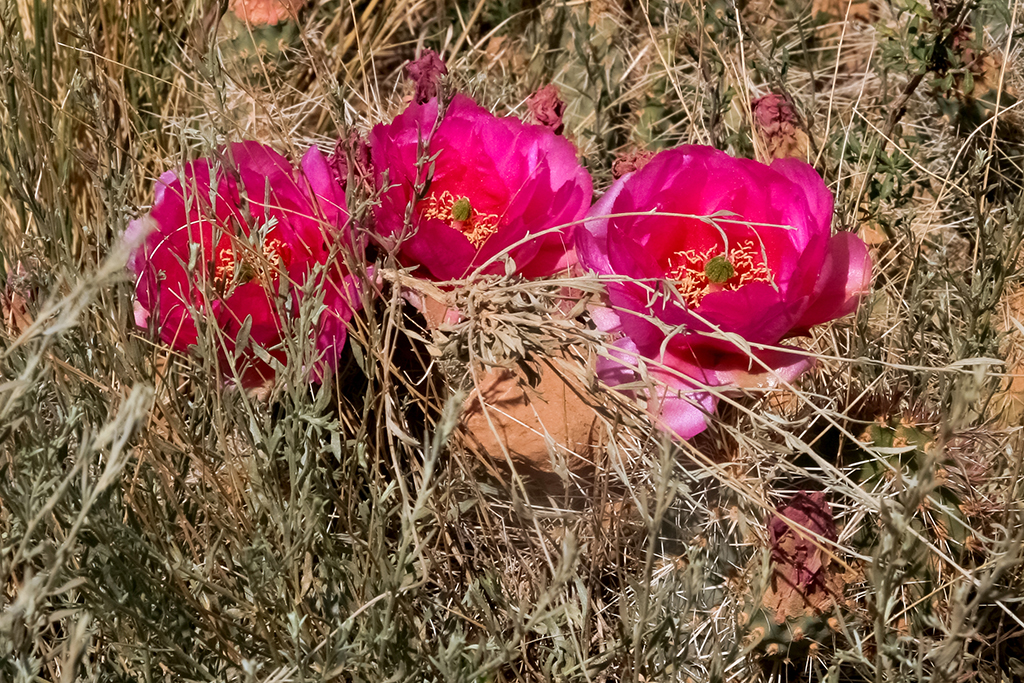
(155, 524)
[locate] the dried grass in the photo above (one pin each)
(157, 525)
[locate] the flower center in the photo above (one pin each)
(458, 213)
(237, 263)
(719, 269)
(699, 273)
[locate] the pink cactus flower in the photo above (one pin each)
(716, 258)
(235, 242)
(493, 186)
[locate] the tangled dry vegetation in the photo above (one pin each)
(155, 525)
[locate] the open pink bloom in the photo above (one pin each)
(748, 252)
(234, 241)
(495, 182)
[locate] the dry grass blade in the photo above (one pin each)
(385, 524)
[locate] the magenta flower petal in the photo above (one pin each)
(844, 280)
(705, 246)
(496, 185)
(819, 200)
(325, 187)
(715, 363)
(249, 301)
(592, 242)
(341, 300)
(684, 415)
(757, 312)
(227, 240)
(677, 404)
(620, 364)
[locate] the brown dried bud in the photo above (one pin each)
(797, 554)
(547, 108)
(779, 124)
(426, 72)
(629, 162)
(352, 149)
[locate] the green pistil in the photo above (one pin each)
(719, 270)
(461, 210)
(246, 273)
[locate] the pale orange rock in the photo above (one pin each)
(536, 426)
(862, 11)
(871, 236)
(438, 313)
(1011, 399)
(431, 302)
(987, 69)
(16, 315)
(265, 12)
(855, 19)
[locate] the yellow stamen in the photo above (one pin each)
(699, 273)
(271, 263)
(460, 215)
